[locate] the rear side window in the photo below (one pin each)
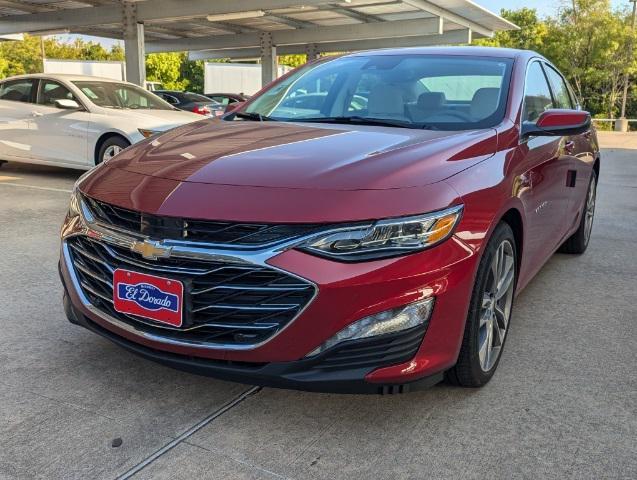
(560, 90)
(537, 94)
(17, 90)
(169, 98)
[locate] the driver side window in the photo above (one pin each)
(51, 91)
(537, 94)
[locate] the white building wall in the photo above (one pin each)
(234, 77)
(113, 70)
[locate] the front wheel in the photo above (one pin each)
(111, 147)
(489, 311)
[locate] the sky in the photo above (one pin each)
(544, 7)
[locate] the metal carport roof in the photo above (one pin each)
(264, 28)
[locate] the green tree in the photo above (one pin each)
(166, 68)
(531, 35)
(193, 72)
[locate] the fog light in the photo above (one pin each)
(389, 321)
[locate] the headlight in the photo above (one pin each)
(386, 238)
(74, 204)
(390, 321)
(148, 133)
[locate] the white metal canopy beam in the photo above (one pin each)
(363, 31)
(429, 7)
(146, 11)
(453, 37)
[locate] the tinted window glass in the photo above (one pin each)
(222, 100)
(51, 91)
(169, 98)
(17, 90)
(537, 94)
(195, 97)
(412, 91)
(560, 90)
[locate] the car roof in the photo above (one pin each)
(495, 52)
(69, 77)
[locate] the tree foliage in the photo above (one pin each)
(17, 58)
(590, 43)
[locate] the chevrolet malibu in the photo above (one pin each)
(364, 224)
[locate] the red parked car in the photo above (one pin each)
(362, 225)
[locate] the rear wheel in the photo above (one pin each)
(2, 162)
(111, 147)
(578, 242)
(489, 311)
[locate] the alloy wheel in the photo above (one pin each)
(589, 213)
(496, 305)
(111, 151)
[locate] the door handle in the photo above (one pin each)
(37, 114)
(569, 146)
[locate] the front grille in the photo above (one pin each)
(230, 304)
(390, 349)
(174, 228)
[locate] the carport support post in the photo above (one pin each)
(268, 59)
(312, 51)
(134, 46)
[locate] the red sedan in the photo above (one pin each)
(362, 225)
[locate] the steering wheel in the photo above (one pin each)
(465, 117)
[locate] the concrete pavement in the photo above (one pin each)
(562, 405)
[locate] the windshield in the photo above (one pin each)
(121, 95)
(445, 92)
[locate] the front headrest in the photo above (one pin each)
(431, 100)
(485, 103)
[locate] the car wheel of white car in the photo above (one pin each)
(111, 147)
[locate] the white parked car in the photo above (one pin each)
(78, 121)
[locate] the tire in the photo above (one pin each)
(2, 162)
(578, 242)
(111, 147)
(480, 353)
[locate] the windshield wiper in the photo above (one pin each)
(355, 120)
(255, 117)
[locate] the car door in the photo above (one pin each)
(578, 150)
(16, 106)
(544, 166)
(61, 133)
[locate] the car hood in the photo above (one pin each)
(306, 156)
(154, 119)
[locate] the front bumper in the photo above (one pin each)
(346, 293)
(320, 374)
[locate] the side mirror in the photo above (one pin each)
(558, 122)
(67, 104)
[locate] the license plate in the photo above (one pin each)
(156, 298)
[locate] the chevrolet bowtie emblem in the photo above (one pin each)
(151, 250)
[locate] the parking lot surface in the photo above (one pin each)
(563, 403)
